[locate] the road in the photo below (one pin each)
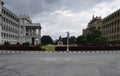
(60, 64)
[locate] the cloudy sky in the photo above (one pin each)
(58, 16)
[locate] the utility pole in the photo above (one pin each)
(67, 40)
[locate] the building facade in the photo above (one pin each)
(95, 23)
(111, 26)
(29, 32)
(15, 28)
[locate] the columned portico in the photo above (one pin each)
(33, 33)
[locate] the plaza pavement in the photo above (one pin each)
(20, 63)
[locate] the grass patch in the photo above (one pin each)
(49, 47)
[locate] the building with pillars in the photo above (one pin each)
(15, 28)
(30, 32)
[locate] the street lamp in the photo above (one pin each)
(67, 41)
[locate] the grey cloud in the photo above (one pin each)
(29, 6)
(32, 7)
(50, 1)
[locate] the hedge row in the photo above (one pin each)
(20, 47)
(86, 48)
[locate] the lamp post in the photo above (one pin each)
(67, 41)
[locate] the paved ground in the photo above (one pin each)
(60, 64)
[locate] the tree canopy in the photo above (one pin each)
(92, 38)
(81, 40)
(72, 40)
(46, 39)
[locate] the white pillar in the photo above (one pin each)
(0, 29)
(39, 35)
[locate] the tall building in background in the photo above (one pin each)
(15, 28)
(111, 26)
(95, 23)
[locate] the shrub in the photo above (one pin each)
(87, 48)
(21, 48)
(17, 43)
(26, 44)
(6, 43)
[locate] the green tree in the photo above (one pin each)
(46, 39)
(72, 40)
(81, 40)
(93, 35)
(100, 41)
(92, 38)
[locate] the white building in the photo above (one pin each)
(15, 29)
(29, 32)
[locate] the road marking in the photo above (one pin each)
(59, 52)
